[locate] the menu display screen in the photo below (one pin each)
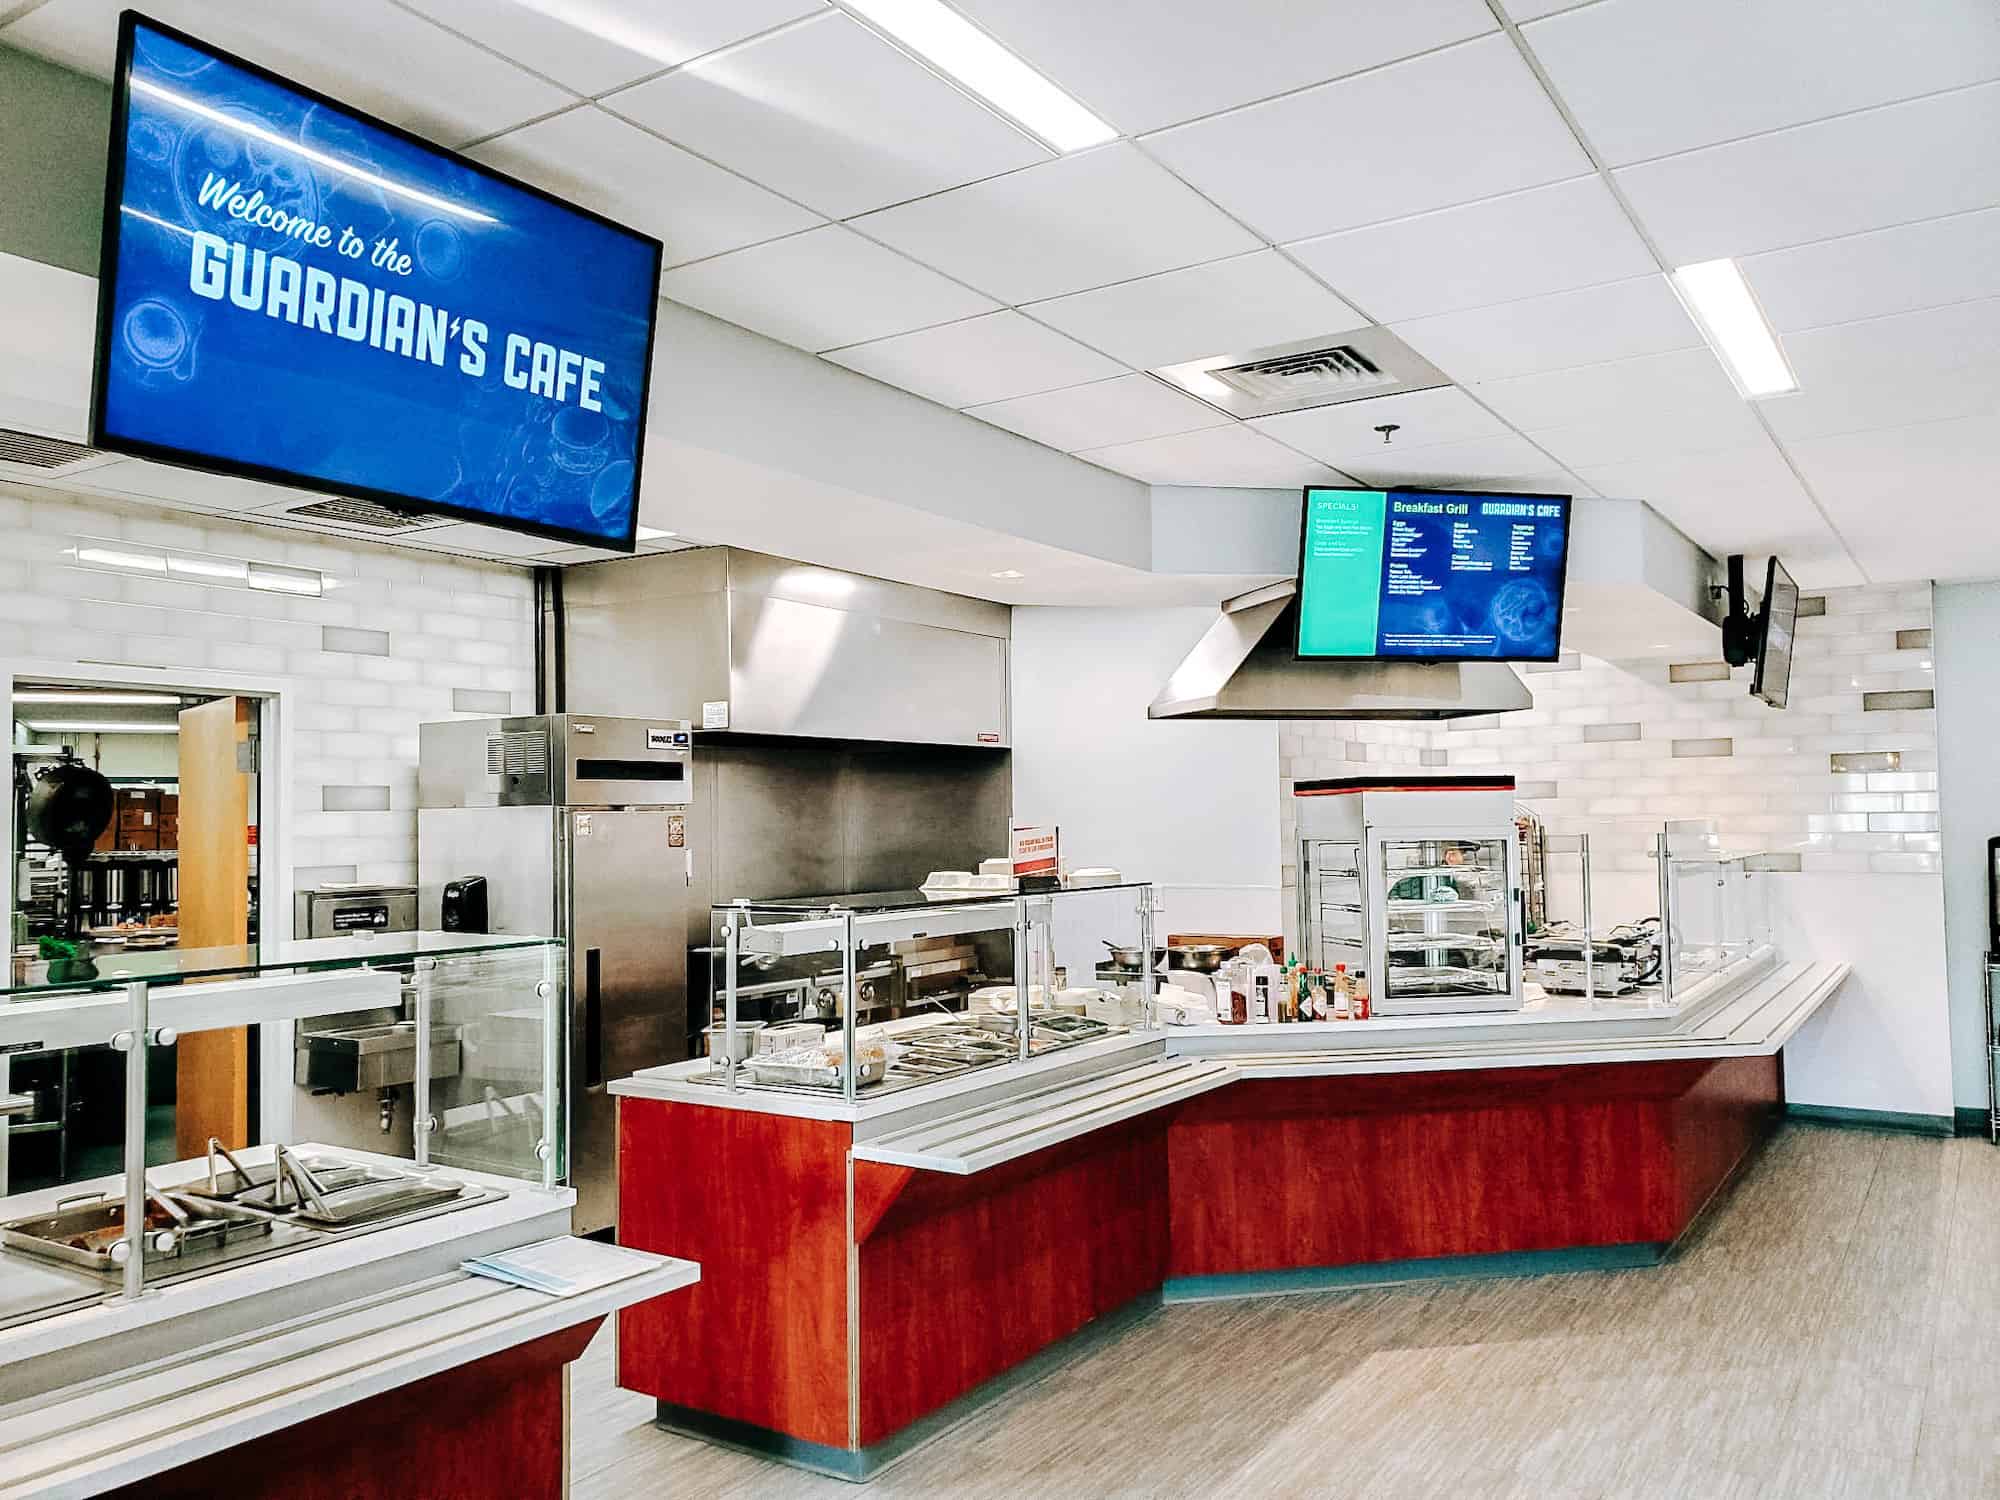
(1431, 575)
(293, 291)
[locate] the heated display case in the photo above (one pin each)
(469, 1024)
(865, 995)
(1414, 884)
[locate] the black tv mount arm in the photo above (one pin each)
(1739, 624)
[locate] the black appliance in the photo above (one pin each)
(464, 904)
(69, 805)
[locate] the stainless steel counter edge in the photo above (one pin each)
(1756, 1021)
(230, 1300)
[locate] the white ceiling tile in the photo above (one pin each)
(1142, 64)
(979, 360)
(1547, 239)
(822, 289)
(1915, 502)
(1225, 307)
(1887, 271)
(1892, 165)
(1618, 320)
(1129, 409)
(1529, 10)
(1645, 78)
(1916, 367)
(1230, 457)
(595, 45)
(830, 114)
(694, 208)
(1686, 379)
(1467, 465)
(1747, 500)
(367, 53)
(1651, 432)
(1346, 433)
(1468, 122)
(1081, 221)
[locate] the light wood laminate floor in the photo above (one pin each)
(1831, 1331)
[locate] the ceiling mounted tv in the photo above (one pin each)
(291, 290)
(1431, 575)
(1777, 622)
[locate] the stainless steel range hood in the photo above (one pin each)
(1245, 668)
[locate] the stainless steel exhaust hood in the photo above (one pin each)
(1245, 668)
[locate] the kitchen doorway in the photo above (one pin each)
(174, 865)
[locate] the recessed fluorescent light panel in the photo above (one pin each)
(1010, 573)
(652, 534)
(92, 698)
(106, 727)
(192, 567)
(1725, 309)
(953, 45)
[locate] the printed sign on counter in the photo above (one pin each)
(1035, 851)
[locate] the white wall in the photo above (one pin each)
(439, 634)
(1191, 806)
(1968, 628)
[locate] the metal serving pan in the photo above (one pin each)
(89, 1231)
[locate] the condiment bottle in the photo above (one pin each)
(1343, 994)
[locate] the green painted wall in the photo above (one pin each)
(53, 128)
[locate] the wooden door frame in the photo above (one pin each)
(276, 698)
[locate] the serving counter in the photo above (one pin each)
(298, 1320)
(874, 1267)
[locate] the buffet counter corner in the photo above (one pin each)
(872, 1269)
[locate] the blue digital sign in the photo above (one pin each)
(1432, 575)
(293, 291)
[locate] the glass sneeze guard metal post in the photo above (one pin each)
(1669, 928)
(1589, 931)
(132, 1042)
(555, 1098)
(424, 1123)
(730, 943)
(1023, 980)
(1149, 970)
(847, 988)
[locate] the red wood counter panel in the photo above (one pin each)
(1272, 1174)
(1718, 1121)
(761, 1202)
(963, 1278)
(493, 1427)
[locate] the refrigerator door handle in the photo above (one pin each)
(593, 1019)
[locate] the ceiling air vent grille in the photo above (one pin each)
(32, 452)
(1356, 364)
(1322, 374)
(346, 511)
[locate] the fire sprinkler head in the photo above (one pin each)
(1389, 429)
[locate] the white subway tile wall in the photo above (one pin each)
(399, 639)
(1615, 749)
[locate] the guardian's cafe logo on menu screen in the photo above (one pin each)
(316, 299)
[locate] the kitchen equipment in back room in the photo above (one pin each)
(578, 825)
(343, 910)
(463, 907)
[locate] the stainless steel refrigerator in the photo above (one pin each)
(579, 825)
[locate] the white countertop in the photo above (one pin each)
(125, 1427)
(110, 1318)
